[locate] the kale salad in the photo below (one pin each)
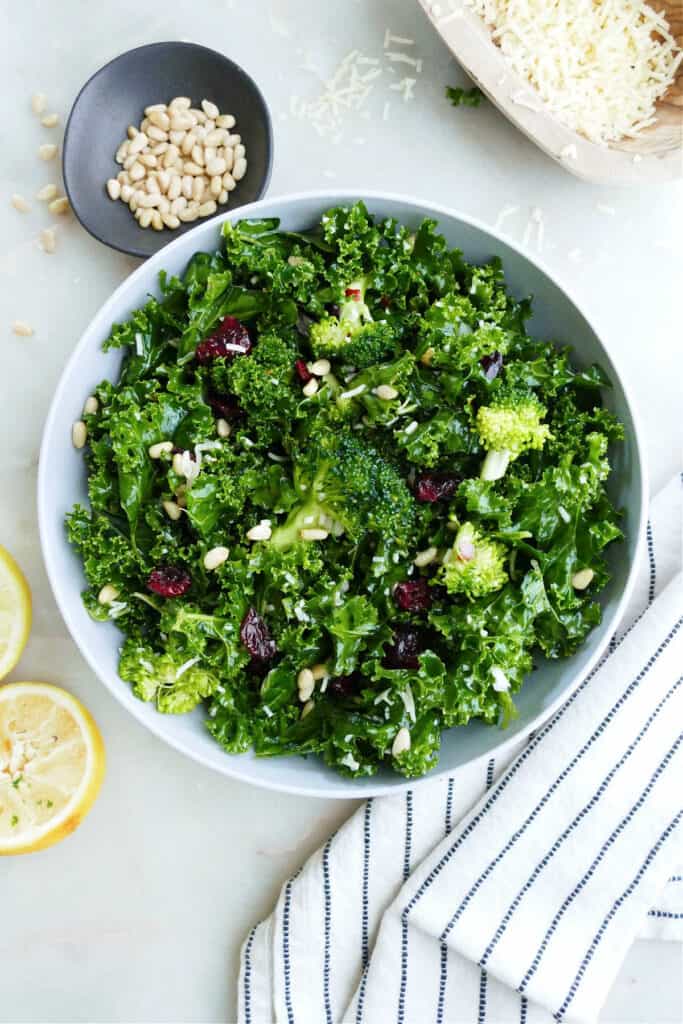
(338, 495)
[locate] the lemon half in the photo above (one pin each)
(51, 765)
(15, 612)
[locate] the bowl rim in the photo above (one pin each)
(267, 174)
(230, 767)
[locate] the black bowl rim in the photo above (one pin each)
(138, 50)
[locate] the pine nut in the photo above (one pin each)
(198, 155)
(144, 125)
(20, 204)
(48, 151)
(113, 188)
(107, 594)
(320, 671)
(38, 102)
(187, 143)
(153, 108)
(188, 215)
(46, 193)
(199, 114)
(582, 579)
(59, 206)
(79, 434)
(145, 218)
(401, 742)
(385, 392)
(91, 406)
(310, 388)
(163, 181)
(176, 138)
(313, 534)
(425, 557)
(229, 182)
(128, 162)
(126, 193)
(152, 186)
(307, 708)
(21, 328)
(138, 143)
(216, 186)
(48, 240)
(123, 178)
(133, 203)
(159, 118)
(147, 160)
(305, 684)
(157, 222)
(427, 356)
(240, 169)
(50, 120)
(174, 186)
(121, 152)
(181, 122)
(180, 103)
(215, 557)
(160, 148)
(192, 168)
(198, 189)
(172, 510)
(225, 121)
(186, 186)
(229, 157)
(216, 138)
(222, 428)
(210, 109)
(170, 220)
(136, 171)
(259, 532)
(223, 197)
(157, 134)
(320, 367)
(210, 153)
(171, 155)
(178, 204)
(206, 209)
(216, 166)
(155, 451)
(239, 151)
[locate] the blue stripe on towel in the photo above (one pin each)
(635, 881)
(594, 800)
(247, 975)
(581, 884)
(483, 977)
(504, 782)
(404, 922)
(327, 898)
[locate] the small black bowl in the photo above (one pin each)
(116, 96)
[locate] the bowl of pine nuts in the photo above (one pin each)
(160, 138)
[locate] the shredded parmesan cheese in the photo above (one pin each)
(599, 66)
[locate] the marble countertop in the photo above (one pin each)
(139, 916)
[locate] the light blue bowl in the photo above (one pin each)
(555, 316)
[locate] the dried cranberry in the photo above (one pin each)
(230, 339)
(302, 370)
(385, 301)
(169, 581)
(224, 405)
(413, 595)
(435, 487)
(404, 651)
(342, 686)
(353, 293)
(491, 365)
(256, 638)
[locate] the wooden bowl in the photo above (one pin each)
(655, 156)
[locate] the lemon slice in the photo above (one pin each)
(15, 612)
(51, 765)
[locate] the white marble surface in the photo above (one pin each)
(139, 916)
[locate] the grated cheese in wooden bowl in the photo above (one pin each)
(599, 66)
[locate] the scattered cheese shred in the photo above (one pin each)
(599, 66)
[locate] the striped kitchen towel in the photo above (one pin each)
(512, 893)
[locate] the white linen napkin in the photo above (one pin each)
(509, 893)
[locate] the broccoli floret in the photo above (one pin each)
(346, 486)
(353, 336)
(176, 686)
(510, 425)
(475, 565)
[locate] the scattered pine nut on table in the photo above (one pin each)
(178, 152)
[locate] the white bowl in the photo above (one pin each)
(555, 316)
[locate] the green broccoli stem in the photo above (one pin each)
(289, 533)
(495, 465)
